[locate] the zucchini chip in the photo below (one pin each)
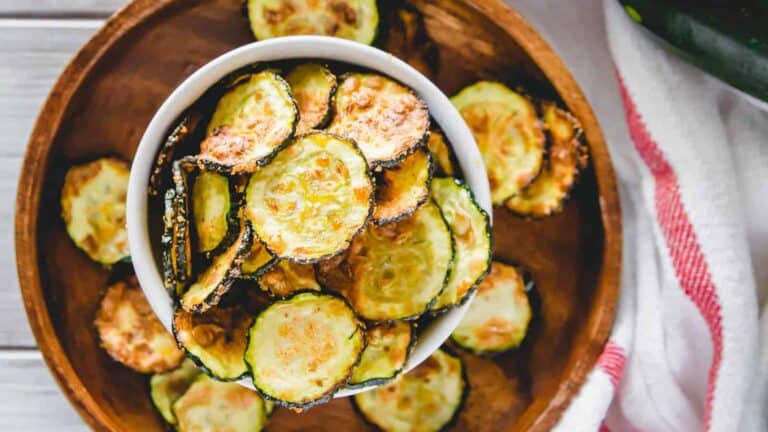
(210, 405)
(258, 261)
(167, 243)
(165, 155)
(215, 340)
(425, 399)
(93, 209)
(313, 87)
(498, 317)
(181, 237)
(357, 20)
(442, 154)
(312, 199)
(546, 195)
(167, 387)
(131, 333)
(471, 231)
(508, 133)
(288, 277)
(252, 122)
(214, 211)
(216, 280)
(302, 349)
(386, 119)
(396, 271)
(387, 349)
(401, 190)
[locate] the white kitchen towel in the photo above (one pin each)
(692, 164)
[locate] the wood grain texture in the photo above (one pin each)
(59, 8)
(575, 255)
(30, 61)
(32, 400)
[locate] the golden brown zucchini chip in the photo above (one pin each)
(215, 340)
(401, 190)
(309, 202)
(215, 208)
(546, 195)
(167, 387)
(425, 399)
(357, 20)
(471, 230)
(387, 349)
(442, 155)
(170, 263)
(396, 271)
(386, 119)
(287, 277)
(302, 349)
(252, 122)
(93, 208)
(498, 317)
(131, 333)
(508, 133)
(181, 238)
(313, 87)
(210, 405)
(258, 261)
(214, 281)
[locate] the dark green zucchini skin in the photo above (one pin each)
(726, 39)
(179, 136)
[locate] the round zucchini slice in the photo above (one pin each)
(131, 333)
(402, 189)
(213, 282)
(313, 87)
(471, 231)
(210, 405)
(167, 387)
(387, 349)
(386, 119)
(214, 212)
(396, 271)
(445, 160)
(287, 277)
(508, 133)
(252, 122)
(93, 209)
(546, 195)
(498, 317)
(357, 20)
(313, 198)
(215, 340)
(258, 261)
(425, 399)
(302, 349)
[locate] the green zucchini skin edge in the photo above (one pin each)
(165, 154)
(381, 381)
(233, 273)
(199, 363)
(215, 166)
(583, 150)
(236, 200)
(421, 143)
(254, 276)
(423, 199)
(329, 394)
(489, 236)
(364, 225)
(450, 423)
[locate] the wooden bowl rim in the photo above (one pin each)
(49, 121)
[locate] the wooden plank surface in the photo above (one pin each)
(31, 399)
(59, 8)
(32, 54)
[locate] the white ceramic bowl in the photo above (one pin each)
(294, 47)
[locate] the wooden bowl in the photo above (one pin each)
(105, 98)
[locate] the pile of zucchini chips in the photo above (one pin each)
(313, 222)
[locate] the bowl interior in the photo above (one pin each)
(294, 47)
(117, 84)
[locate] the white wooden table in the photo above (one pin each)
(38, 37)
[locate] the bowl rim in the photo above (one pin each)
(315, 48)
